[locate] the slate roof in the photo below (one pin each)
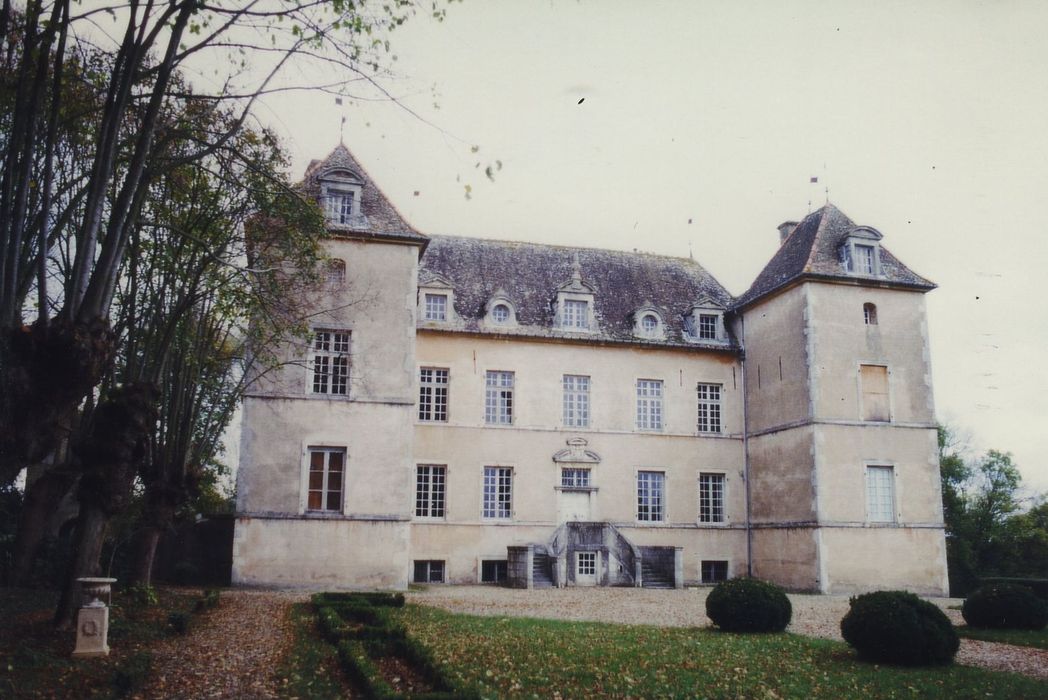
(381, 219)
(529, 274)
(813, 250)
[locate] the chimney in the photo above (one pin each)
(785, 229)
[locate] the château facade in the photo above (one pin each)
(472, 411)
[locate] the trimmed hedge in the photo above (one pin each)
(897, 627)
(749, 605)
(362, 633)
(1005, 606)
(1039, 586)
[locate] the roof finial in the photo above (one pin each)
(576, 268)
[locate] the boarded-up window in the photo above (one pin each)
(874, 381)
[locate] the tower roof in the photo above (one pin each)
(813, 250)
(380, 218)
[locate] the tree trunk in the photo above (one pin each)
(41, 499)
(90, 534)
(145, 553)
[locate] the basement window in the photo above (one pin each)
(493, 571)
(714, 570)
(429, 571)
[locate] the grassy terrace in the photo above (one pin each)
(520, 657)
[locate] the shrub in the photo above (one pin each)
(1039, 586)
(1005, 606)
(184, 573)
(179, 622)
(142, 594)
(132, 673)
(749, 605)
(897, 627)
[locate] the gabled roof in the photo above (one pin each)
(813, 250)
(530, 274)
(380, 218)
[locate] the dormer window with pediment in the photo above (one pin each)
(340, 194)
(436, 301)
(861, 251)
(647, 323)
(574, 309)
(704, 322)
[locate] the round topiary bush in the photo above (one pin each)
(899, 628)
(749, 605)
(1005, 606)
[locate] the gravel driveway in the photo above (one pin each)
(813, 615)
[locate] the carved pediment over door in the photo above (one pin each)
(577, 453)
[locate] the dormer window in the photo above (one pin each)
(575, 315)
(647, 323)
(500, 313)
(340, 192)
(861, 251)
(704, 323)
(436, 308)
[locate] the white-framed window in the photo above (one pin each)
(498, 493)
(586, 564)
(880, 494)
(429, 571)
(713, 570)
(711, 498)
(498, 398)
(433, 394)
(334, 273)
(873, 381)
(430, 490)
(327, 467)
(649, 404)
(707, 326)
(651, 491)
(500, 313)
(864, 260)
(340, 206)
(330, 362)
(709, 401)
(649, 324)
(574, 478)
(861, 251)
(869, 314)
(576, 400)
(575, 315)
(436, 307)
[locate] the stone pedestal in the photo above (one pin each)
(92, 630)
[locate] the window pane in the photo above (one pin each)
(711, 498)
(709, 407)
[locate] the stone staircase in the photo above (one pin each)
(653, 577)
(541, 571)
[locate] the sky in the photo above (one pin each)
(696, 127)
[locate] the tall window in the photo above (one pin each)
(651, 488)
(576, 401)
(436, 308)
(874, 382)
(711, 498)
(432, 394)
(708, 326)
(339, 206)
(326, 468)
(575, 315)
(498, 493)
(498, 398)
(869, 314)
(649, 404)
(709, 408)
(335, 273)
(331, 362)
(430, 482)
(880, 494)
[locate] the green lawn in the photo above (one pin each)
(520, 657)
(1022, 638)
